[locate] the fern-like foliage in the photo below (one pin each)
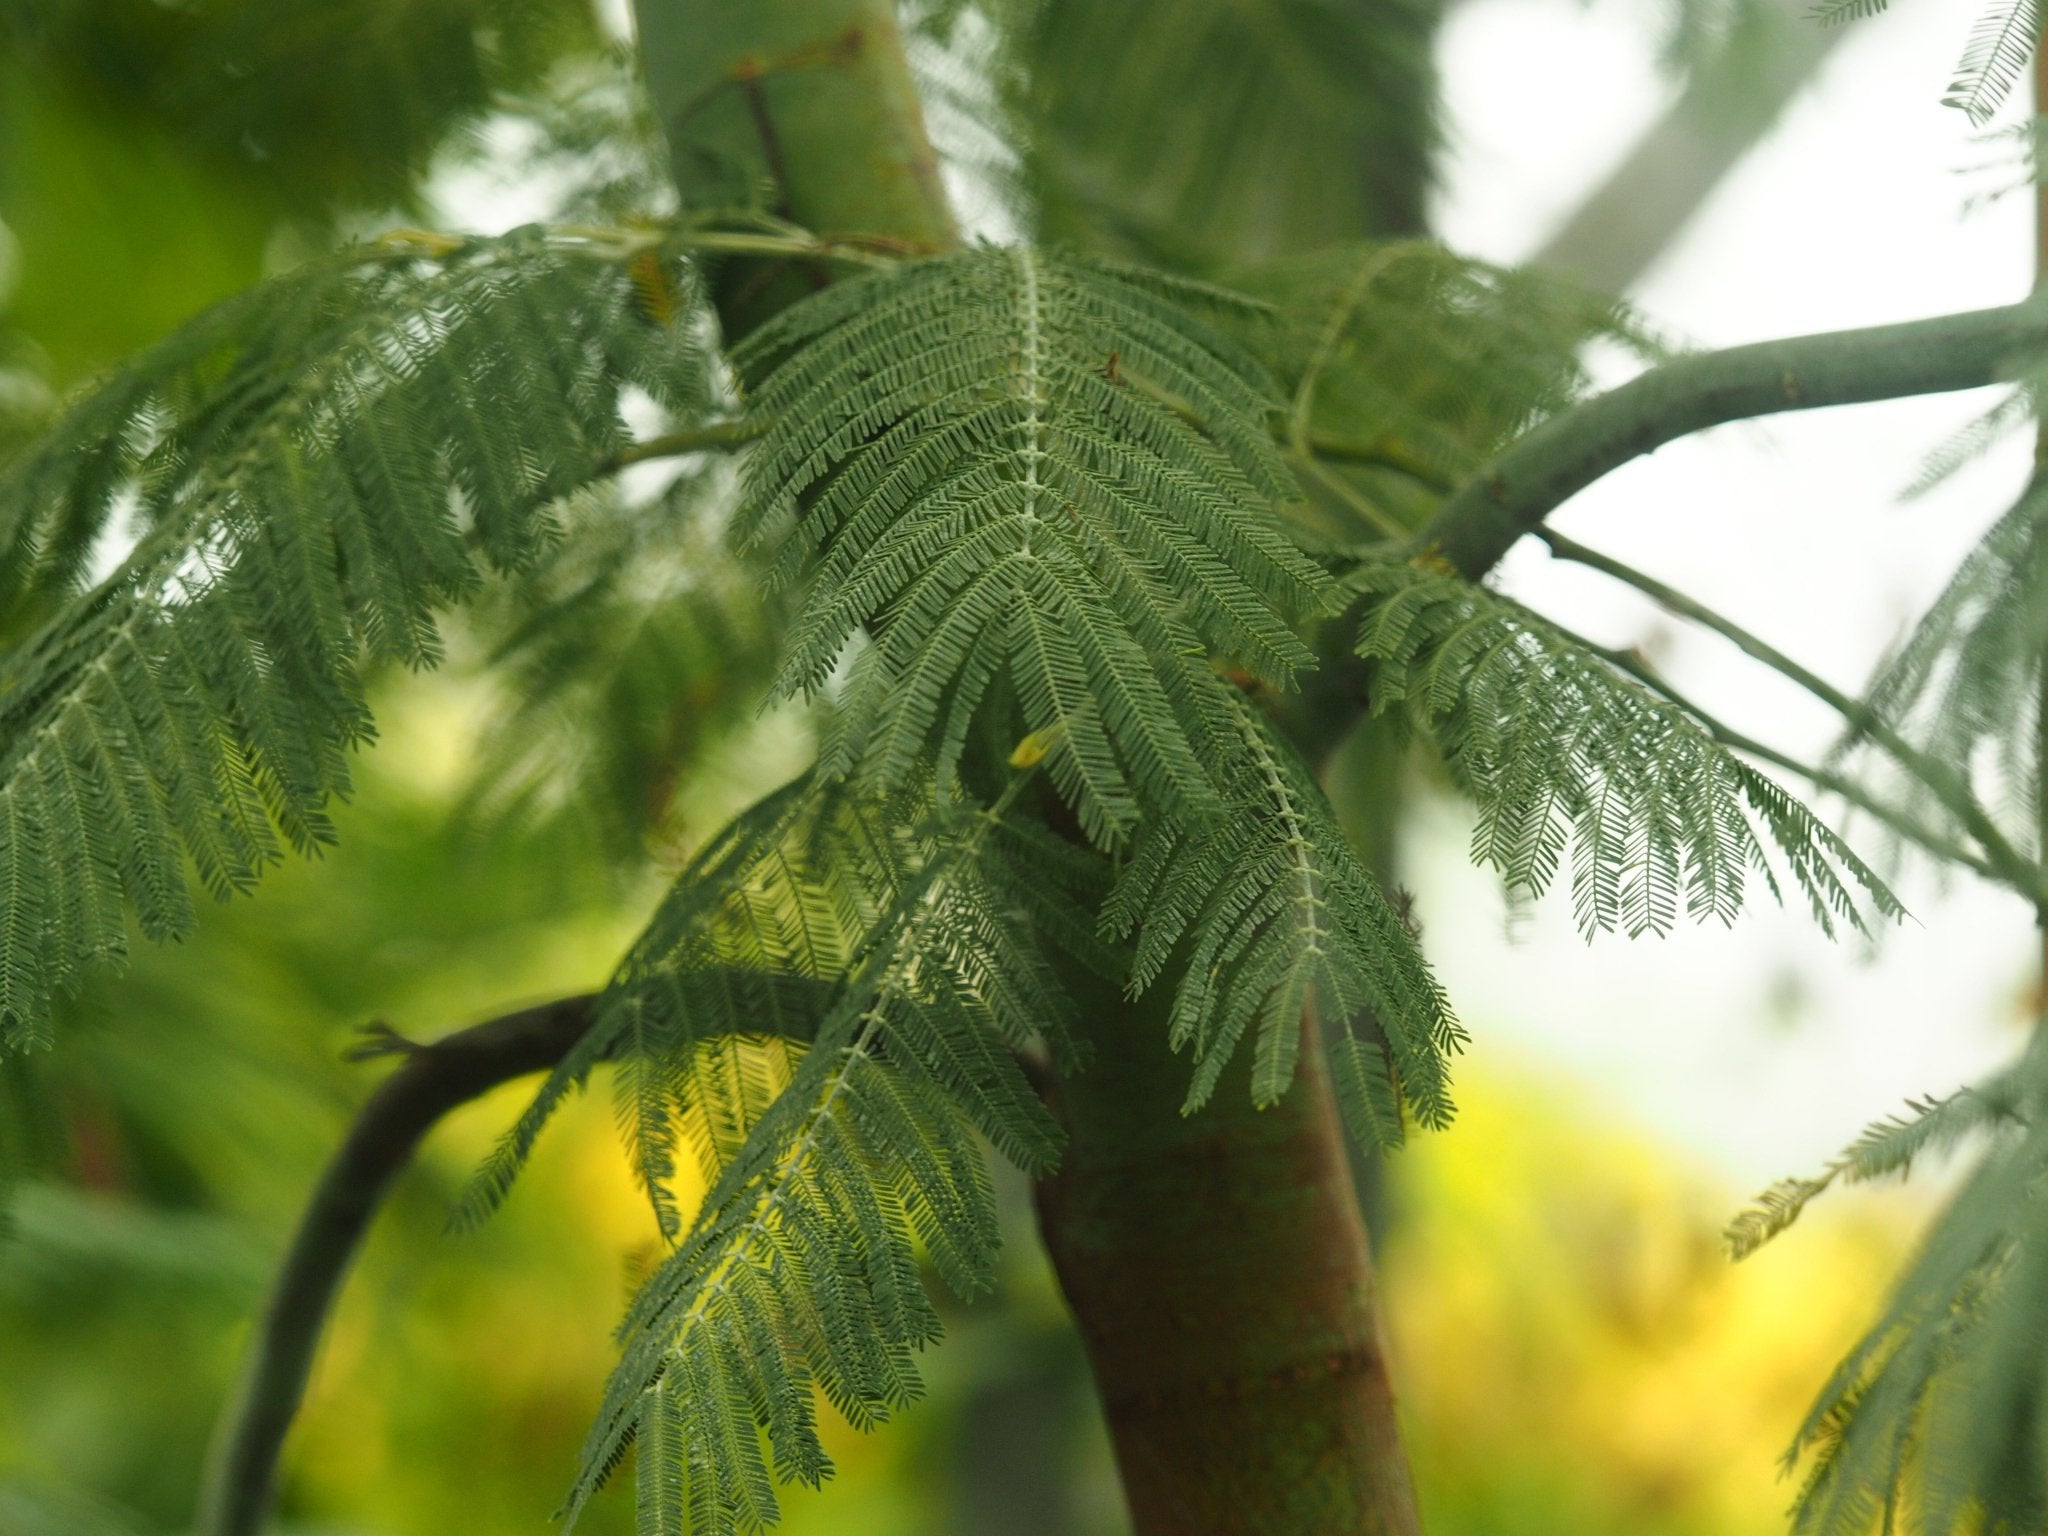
(1887, 1148)
(1408, 367)
(1277, 914)
(1567, 758)
(2001, 42)
(906, 933)
(1965, 688)
(315, 466)
(1933, 1422)
(1042, 473)
(2000, 45)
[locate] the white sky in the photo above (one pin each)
(1764, 1048)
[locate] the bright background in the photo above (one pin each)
(1761, 1049)
(1575, 1352)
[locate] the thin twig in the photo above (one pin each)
(435, 1078)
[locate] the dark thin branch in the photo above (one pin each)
(1567, 453)
(433, 1079)
(1938, 778)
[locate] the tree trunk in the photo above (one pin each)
(1217, 1265)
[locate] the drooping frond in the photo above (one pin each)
(801, 1269)
(1569, 758)
(737, 964)
(314, 467)
(1264, 912)
(1407, 367)
(1047, 472)
(1965, 688)
(2000, 45)
(1886, 1148)
(2002, 41)
(1934, 1421)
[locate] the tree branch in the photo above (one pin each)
(711, 437)
(434, 1079)
(1564, 455)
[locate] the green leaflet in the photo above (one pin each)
(1886, 1148)
(2001, 42)
(1408, 366)
(1010, 467)
(1565, 756)
(316, 466)
(1965, 688)
(1935, 1420)
(800, 1271)
(1264, 911)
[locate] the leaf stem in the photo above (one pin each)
(711, 437)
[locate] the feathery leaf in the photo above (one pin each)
(1278, 916)
(800, 1271)
(1568, 758)
(317, 465)
(1965, 688)
(1934, 1420)
(1886, 1148)
(1044, 472)
(2000, 44)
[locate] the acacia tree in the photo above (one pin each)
(1088, 549)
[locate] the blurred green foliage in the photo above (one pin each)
(154, 157)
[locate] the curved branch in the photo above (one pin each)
(434, 1079)
(1567, 453)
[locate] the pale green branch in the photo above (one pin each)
(1562, 456)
